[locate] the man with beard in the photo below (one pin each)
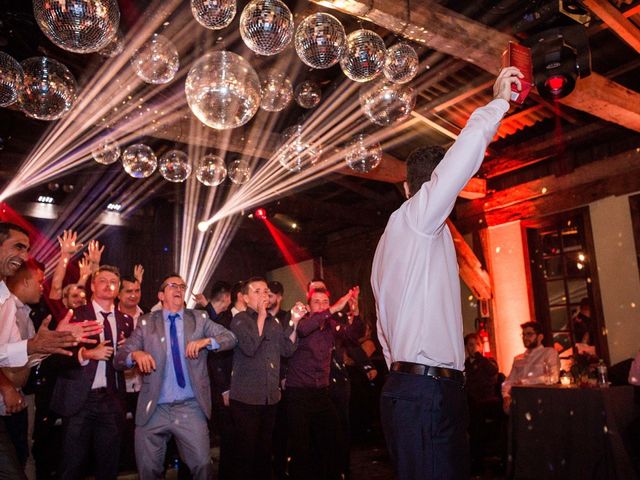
(538, 364)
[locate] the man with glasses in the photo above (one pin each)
(169, 348)
(538, 364)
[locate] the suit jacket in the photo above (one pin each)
(74, 380)
(149, 336)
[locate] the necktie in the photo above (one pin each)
(175, 350)
(108, 335)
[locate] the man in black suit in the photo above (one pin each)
(89, 393)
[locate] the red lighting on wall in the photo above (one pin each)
(292, 253)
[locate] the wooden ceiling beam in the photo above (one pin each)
(454, 34)
(616, 20)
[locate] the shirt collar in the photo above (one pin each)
(97, 308)
(166, 313)
(4, 292)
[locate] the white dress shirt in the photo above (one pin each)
(415, 272)
(528, 368)
(100, 380)
(13, 349)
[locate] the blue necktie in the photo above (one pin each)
(175, 350)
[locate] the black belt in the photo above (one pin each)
(420, 369)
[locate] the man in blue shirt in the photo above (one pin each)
(175, 400)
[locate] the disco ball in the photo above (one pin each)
(295, 153)
(223, 90)
(49, 89)
(320, 40)
(308, 94)
(276, 92)
(362, 156)
(106, 152)
(213, 14)
(385, 103)
(139, 161)
(364, 58)
(266, 26)
(156, 61)
(211, 170)
(401, 63)
(81, 26)
(239, 171)
(11, 78)
(174, 166)
(114, 47)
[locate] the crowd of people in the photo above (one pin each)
(229, 363)
(126, 384)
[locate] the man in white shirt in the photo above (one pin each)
(537, 365)
(417, 289)
(26, 288)
(14, 352)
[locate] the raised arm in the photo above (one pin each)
(68, 248)
(428, 209)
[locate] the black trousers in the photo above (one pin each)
(253, 433)
(425, 425)
(10, 468)
(17, 425)
(281, 440)
(314, 433)
(222, 423)
(95, 434)
(128, 454)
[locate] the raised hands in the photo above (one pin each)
(81, 331)
(200, 299)
(342, 301)
(68, 243)
(138, 273)
(298, 311)
(502, 85)
(94, 253)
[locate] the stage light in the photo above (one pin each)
(261, 214)
(114, 207)
(45, 199)
(560, 56)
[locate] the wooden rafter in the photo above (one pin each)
(476, 43)
(618, 21)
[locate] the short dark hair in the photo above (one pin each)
(585, 302)
(235, 290)
(245, 286)
(163, 283)
(5, 227)
(106, 268)
(219, 289)
(469, 336)
(317, 290)
(420, 165)
(276, 287)
(127, 278)
(533, 325)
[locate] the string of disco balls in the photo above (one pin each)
(223, 90)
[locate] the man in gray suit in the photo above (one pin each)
(175, 398)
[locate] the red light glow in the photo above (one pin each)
(261, 213)
(556, 84)
(292, 253)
